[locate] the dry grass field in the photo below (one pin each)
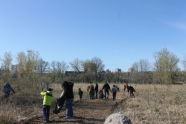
(153, 104)
(157, 104)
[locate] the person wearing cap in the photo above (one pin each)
(47, 101)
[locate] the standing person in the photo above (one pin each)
(125, 86)
(7, 89)
(92, 92)
(80, 92)
(114, 92)
(47, 101)
(106, 89)
(96, 90)
(68, 95)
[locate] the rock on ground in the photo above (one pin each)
(117, 118)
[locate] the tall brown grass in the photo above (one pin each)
(153, 104)
(157, 104)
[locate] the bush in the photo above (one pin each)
(179, 83)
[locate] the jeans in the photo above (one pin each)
(114, 95)
(46, 112)
(69, 109)
(96, 94)
(106, 94)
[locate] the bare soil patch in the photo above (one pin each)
(85, 112)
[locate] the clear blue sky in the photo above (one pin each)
(119, 32)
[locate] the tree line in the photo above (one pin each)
(30, 67)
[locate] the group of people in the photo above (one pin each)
(103, 93)
(67, 96)
(93, 91)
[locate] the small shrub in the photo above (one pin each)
(179, 83)
(156, 110)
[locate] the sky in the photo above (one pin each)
(120, 32)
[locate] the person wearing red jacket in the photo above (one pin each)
(125, 86)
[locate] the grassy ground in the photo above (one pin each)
(153, 104)
(27, 102)
(157, 104)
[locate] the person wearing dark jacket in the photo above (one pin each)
(7, 89)
(114, 92)
(106, 89)
(131, 90)
(68, 95)
(80, 92)
(96, 90)
(92, 92)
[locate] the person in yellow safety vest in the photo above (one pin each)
(47, 101)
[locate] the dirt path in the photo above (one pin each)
(85, 112)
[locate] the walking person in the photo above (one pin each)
(92, 92)
(125, 86)
(80, 92)
(47, 101)
(96, 90)
(68, 95)
(106, 89)
(114, 92)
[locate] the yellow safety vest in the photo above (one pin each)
(47, 98)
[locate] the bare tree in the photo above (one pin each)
(22, 61)
(141, 66)
(32, 59)
(135, 67)
(93, 68)
(184, 69)
(76, 65)
(184, 64)
(27, 63)
(99, 64)
(140, 71)
(7, 61)
(59, 67)
(144, 65)
(42, 66)
(89, 66)
(6, 66)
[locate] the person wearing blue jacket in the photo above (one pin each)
(7, 89)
